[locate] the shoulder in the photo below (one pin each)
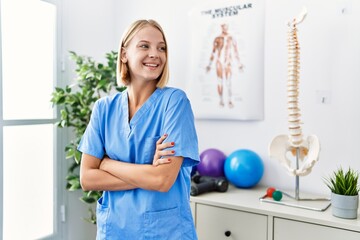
(174, 98)
(174, 93)
(105, 102)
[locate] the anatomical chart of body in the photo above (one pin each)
(226, 77)
(224, 53)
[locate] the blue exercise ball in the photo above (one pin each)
(243, 168)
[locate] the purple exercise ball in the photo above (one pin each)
(211, 163)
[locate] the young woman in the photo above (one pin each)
(140, 146)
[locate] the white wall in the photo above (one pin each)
(330, 62)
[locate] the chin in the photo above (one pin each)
(152, 78)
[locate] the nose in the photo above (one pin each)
(152, 55)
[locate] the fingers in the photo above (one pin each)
(161, 161)
(162, 157)
(161, 139)
(163, 152)
(163, 146)
(160, 145)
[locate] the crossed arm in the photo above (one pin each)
(111, 175)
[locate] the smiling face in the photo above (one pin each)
(145, 55)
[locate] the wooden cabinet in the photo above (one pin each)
(239, 215)
(285, 229)
(221, 223)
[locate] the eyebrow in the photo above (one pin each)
(162, 42)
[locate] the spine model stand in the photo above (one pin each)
(286, 148)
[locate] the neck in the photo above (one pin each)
(137, 96)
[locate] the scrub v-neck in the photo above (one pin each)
(140, 112)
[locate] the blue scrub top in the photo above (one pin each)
(138, 213)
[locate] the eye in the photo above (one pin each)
(144, 46)
(162, 49)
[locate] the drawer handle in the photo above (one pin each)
(227, 233)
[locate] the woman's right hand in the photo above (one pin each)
(162, 151)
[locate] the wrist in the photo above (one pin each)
(103, 164)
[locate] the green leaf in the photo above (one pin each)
(77, 156)
(70, 153)
(73, 166)
(343, 183)
(63, 113)
(59, 90)
(102, 83)
(68, 89)
(63, 123)
(93, 81)
(70, 177)
(74, 184)
(88, 200)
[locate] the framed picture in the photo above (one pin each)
(227, 60)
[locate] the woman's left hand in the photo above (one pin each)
(161, 155)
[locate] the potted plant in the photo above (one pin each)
(344, 193)
(76, 101)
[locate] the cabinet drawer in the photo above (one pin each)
(285, 229)
(212, 223)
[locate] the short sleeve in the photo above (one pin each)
(180, 127)
(92, 141)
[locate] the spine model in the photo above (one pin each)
(283, 147)
(295, 133)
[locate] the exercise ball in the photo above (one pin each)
(211, 163)
(243, 168)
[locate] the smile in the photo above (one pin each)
(151, 65)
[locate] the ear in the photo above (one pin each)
(123, 57)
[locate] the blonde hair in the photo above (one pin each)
(122, 70)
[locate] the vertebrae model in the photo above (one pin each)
(283, 147)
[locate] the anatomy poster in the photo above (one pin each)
(227, 60)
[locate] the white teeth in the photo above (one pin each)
(151, 65)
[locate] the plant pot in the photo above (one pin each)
(344, 206)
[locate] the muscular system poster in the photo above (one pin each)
(227, 60)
